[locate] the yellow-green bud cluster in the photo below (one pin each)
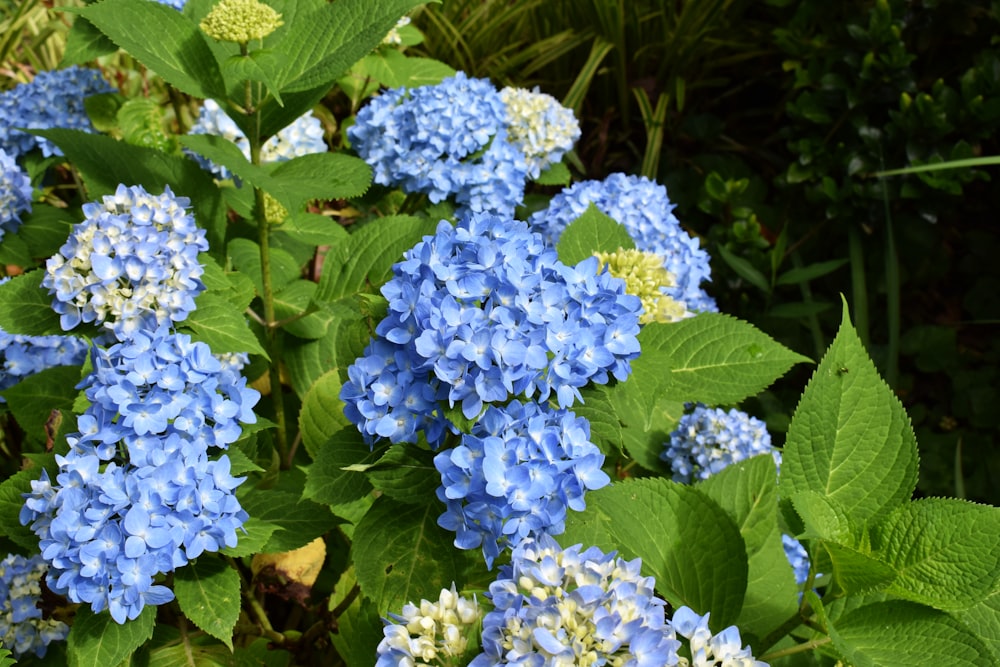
(646, 278)
(240, 21)
(274, 212)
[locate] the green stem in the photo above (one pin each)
(859, 287)
(817, 334)
(892, 298)
(792, 650)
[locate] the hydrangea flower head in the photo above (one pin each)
(642, 206)
(645, 277)
(137, 495)
(707, 440)
(707, 650)
(15, 194)
(436, 634)
(445, 140)
(131, 264)
(539, 126)
(21, 356)
(565, 607)
(514, 476)
(23, 630)
(52, 99)
(303, 137)
(480, 313)
(240, 21)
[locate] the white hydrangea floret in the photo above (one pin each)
(542, 128)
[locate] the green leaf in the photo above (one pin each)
(327, 480)
(946, 551)
(322, 413)
(983, 619)
(105, 163)
(904, 633)
(747, 492)
(850, 438)
(744, 269)
(344, 342)
(37, 396)
(365, 262)
(260, 66)
(294, 299)
(86, 43)
(323, 176)
(95, 640)
(223, 328)
(806, 273)
(406, 473)
(393, 69)
(591, 232)
(258, 533)
(716, 359)
(671, 527)
(208, 591)
(359, 628)
(45, 229)
(11, 502)
(245, 255)
(555, 174)
(299, 521)
(179, 54)
(313, 229)
(26, 307)
(401, 554)
(142, 124)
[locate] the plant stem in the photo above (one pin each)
(798, 648)
(859, 288)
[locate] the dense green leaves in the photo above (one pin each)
(850, 438)
(299, 521)
(97, 641)
(208, 591)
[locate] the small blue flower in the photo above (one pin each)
(555, 606)
(15, 194)
(51, 100)
(723, 649)
(480, 313)
(514, 476)
(23, 629)
(137, 495)
(303, 137)
(709, 439)
(131, 264)
(445, 140)
(643, 208)
(797, 557)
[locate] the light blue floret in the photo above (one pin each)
(643, 208)
(15, 194)
(53, 99)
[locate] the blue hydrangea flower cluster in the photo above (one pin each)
(22, 356)
(23, 630)
(51, 100)
(303, 137)
(137, 495)
(708, 439)
(541, 128)
(515, 474)
(15, 194)
(131, 264)
(797, 557)
(642, 206)
(431, 633)
(445, 140)
(565, 607)
(482, 312)
(707, 650)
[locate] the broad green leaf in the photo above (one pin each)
(747, 492)
(45, 230)
(37, 396)
(208, 592)
(322, 176)
(716, 359)
(744, 269)
(142, 124)
(328, 481)
(406, 473)
(344, 342)
(13, 250)
(555, 174)
(11, 502)
(671, 527)
(240, 463)
(850, 438)
(106, 163)
(903, 633)
(983, 619)
(359, 628)
(805, 273)
(223, 328)
(259, 66)
(322, 413)
(392, 69)
(299, 521)
(313, 229)
(946, 551)
(293, 300)
(365, 262)
(26, 306)
(251, 538)
(245, 255)
(85, 43)
(97, 641)
(854, 571)
(592, 232)
(179, 53)
(401, 554)
(322, 40)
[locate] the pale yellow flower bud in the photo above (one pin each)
(240, 21)
(645, 278)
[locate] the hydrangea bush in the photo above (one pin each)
(410, 392)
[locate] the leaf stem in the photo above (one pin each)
(798, 648)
